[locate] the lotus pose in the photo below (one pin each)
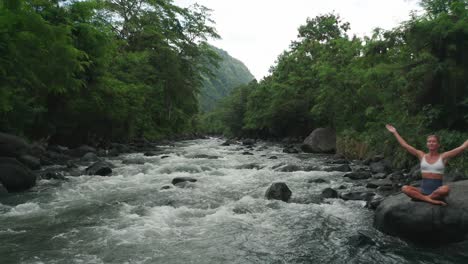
(432, 169)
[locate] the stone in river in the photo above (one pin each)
(278, 191)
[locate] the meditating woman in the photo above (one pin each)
(432, 169)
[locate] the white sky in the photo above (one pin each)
(257, 31)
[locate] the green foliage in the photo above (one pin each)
(223, 76)
(100, 70)
(414, 76)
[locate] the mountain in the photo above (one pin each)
(230, 74)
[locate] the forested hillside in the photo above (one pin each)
(414, 76)
(101, 70)
(225, 76)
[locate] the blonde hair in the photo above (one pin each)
(434, 136)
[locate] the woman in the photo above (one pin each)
(432, 169)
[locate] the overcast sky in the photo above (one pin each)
(257, 31)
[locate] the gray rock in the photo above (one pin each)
(319, 180)
(31, 162)
(52, 174)
(290, 168)
(290, 149)
(379, 176)
(182, 179)
(80, 151)
(101, 168)
(329, 193)
(278, 191)
(12, 146)
(374, 203)
(14, 176)
(357, 196)
(383, 166)
(248, 142)
(342, 168)
(377, 183)
(134, 161)
(422, 222)
(246, 153)
(250, 166)
(358, 175)
(90, 156)
(321, 140)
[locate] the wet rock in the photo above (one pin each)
(90, 156)
(357, 196)
(397, 177)
(57, 148)
(342, 168)
(52, 174)
(319, 180)
(12, 146)
(273, 157)
(358, 175)
(378, 183)
(203, 156)
(454, 176)
(182, 179)
(422, 222)
(374, 203)
(14, 176)
(164, 156)
(166, 187)
(246, 153)
(383, 166)
(329, 193)
(248, 142)
(229, 142)
(379, 176)
(311, 168)
(138, 160)
(342, 187)
(3, 190)
(338, 161)
(360, 240)
(262, 148)
(150, 154)
(31, 162)
(250, 166)
(290, 149)
(375, 158)
(80, 151)
(321, 140)
(101, 168)
(278, 191)
(290, 168)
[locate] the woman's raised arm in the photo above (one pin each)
(454, 152)
(408, 147)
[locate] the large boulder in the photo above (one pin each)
(321, 140)
(101, 168)
(422, 222)
(278, 191)
(14, 176)
(12, 146)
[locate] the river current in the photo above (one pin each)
(221, 218)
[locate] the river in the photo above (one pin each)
(221, 218)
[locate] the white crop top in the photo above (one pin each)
(437, 167)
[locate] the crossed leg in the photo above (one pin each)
(433, 198)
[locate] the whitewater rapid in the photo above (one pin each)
(221, 218)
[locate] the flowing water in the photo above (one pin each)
(221, 218)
